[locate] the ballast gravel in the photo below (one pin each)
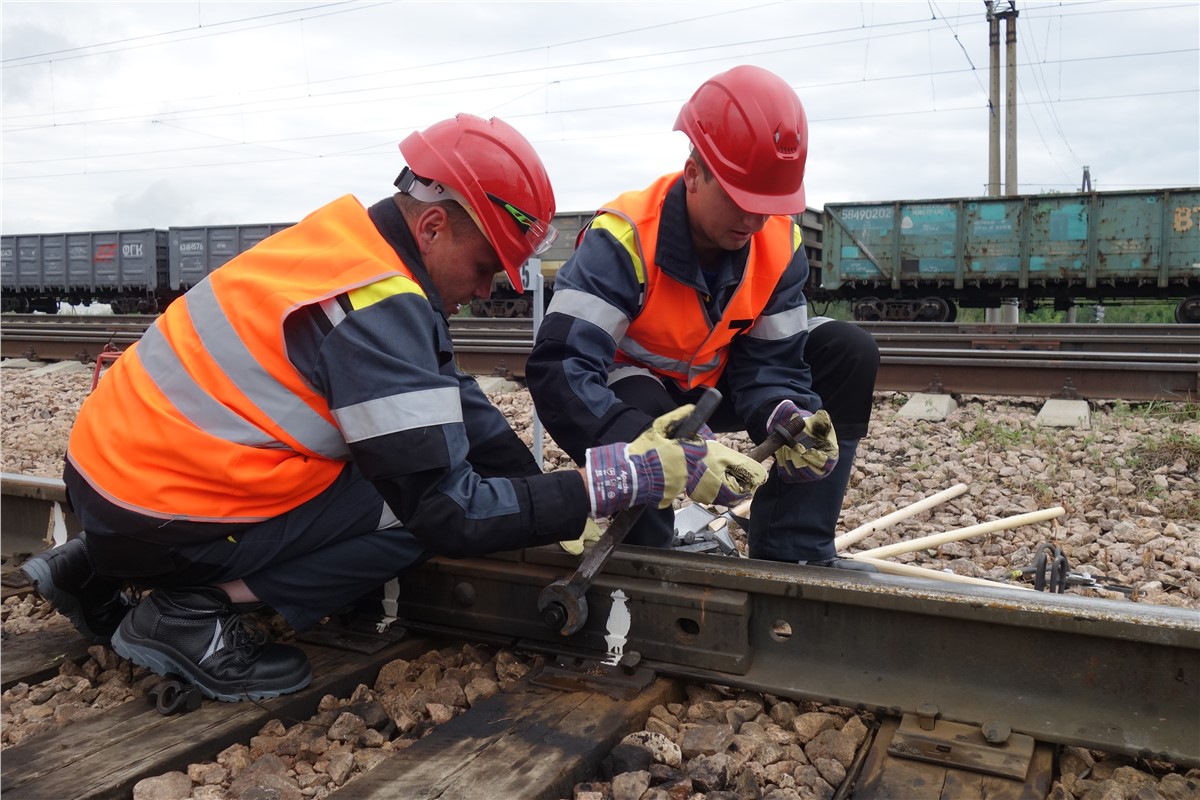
(1129, 485)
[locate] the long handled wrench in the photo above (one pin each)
(563, 604)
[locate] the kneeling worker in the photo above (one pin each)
(295, 432)
(698, 280)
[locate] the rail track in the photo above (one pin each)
(982, 681)
(1136, 363)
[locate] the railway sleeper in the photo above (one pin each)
(106, 755)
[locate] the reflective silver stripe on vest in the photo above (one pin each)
(164, 368)
(590, 308)
(664, 364)
(783, 325)
(283, 406)
(400, 412)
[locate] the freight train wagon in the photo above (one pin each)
(919, 259)
(125, 268)
(507, 302)
(134, 271)
(194, 252)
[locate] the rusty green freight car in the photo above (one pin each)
(920, 259)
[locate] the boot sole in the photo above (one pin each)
(162, 660)
(39, 574)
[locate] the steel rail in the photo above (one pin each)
(1114, 676)
(31, 508)
(1107, 675)
(518, 333)
(1129, 362)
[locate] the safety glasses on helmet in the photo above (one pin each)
(539, 233)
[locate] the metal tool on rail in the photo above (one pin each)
(1051, 571)
(563, 604)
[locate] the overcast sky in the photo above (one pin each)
(140, 115)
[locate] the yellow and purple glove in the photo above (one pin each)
(591, 534)
(650, 470)
(815, 453)
(725, 476)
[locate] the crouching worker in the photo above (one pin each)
(294, 432)
(698, 280)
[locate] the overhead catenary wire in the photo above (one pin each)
(507, 87)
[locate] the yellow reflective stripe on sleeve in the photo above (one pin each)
(382, 290)
(625, 233)
(797, 237)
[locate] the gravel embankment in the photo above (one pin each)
(1129, 485)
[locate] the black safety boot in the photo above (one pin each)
(843, 563)
(64, 576)
(199, 635)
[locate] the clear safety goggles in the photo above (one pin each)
(538, 233)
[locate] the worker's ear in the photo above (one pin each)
(691, 175)
(432, 223)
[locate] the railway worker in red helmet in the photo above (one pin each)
(698, 280)
(295, 432)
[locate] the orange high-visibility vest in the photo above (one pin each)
(672, 336)
(205, 418)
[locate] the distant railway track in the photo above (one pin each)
(1137, 363)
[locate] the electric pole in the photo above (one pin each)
(1009, 310)
(1010, 88)
(993, 188)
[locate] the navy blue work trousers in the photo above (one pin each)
(789, 521)
(310, 562)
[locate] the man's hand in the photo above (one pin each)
(650, 470)
(725, 476)
(816, 451)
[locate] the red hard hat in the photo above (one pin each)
(750, 128)
(498, 177)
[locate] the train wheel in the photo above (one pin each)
(1188, 311)
(935, 309)
(868, 310)
(46, 305)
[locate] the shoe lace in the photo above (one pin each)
(247, 638)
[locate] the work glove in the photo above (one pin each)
(725, 476)
(650, 470)
(816, 451)
(591, 534)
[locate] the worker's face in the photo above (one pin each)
(460, 261)
(716, 221)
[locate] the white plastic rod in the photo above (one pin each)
(895, 568)
(959, 534)
(866, 529)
